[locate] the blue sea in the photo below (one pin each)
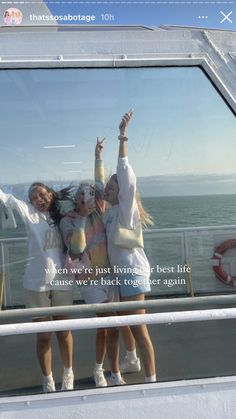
(165, 251)
(192, 211)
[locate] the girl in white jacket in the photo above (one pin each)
(120, 193)
(45, 257)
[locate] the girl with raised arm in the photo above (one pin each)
(83, 233)
(41, 217)
(126, 211)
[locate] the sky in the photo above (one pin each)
(181, 126)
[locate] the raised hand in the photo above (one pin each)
(125, 122)
(99, 147)
(87, 207)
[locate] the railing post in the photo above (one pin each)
(188, 265)
(3, 297)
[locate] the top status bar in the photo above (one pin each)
(209, 14)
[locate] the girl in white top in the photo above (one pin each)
(120, 193)
(45, 256)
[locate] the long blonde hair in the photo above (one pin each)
(145, 218)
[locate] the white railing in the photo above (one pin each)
(78, 310)
(184, 234)
(117, 321)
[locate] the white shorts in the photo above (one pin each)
(36, 299)
(95, 294)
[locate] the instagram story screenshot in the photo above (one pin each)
(117, 209)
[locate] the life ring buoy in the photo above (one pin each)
(219, 270)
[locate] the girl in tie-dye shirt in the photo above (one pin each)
(83, 231)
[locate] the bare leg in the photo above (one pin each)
(128, 338)
(142, 338)
(113, 348)
(44, 352)
(100, 345)
(111, 345)
(98, 375)
(146, 348)
(65, 343)
(101, 341)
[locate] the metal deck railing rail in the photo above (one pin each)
(185, 257)
(117, 321)
(84, 309)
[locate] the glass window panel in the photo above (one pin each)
(181, 146)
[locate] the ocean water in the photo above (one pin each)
(192, 211)
(165, 251)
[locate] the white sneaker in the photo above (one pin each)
(115, 381)
(130, 366)
(68, 381)
(99, 378)
(48, 385)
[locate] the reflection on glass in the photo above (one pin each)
(181, 147)
(181, 143)
(181, 137)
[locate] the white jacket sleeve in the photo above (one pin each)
(14, 204)
(128, 209)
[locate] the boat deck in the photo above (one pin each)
(183, 351)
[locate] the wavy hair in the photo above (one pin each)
(57, 196)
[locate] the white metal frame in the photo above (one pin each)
(198, 398)
(63, 62)
(213, 51)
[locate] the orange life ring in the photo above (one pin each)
(218, 254)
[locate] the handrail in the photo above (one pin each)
(182, 232)
(14, 239)
(189, 229)
(151, 231)
(119, 306)
(117, 321)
